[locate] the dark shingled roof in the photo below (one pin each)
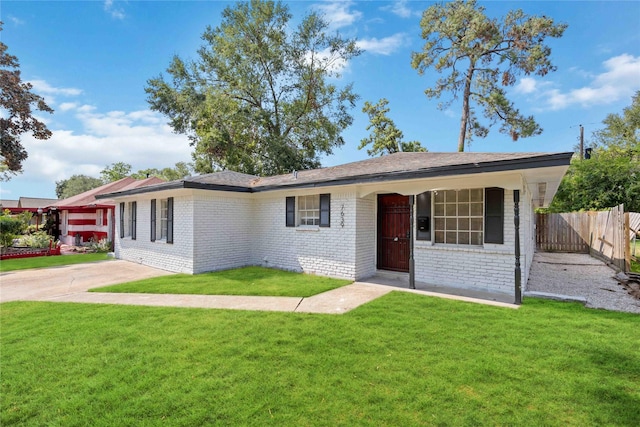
(391, 167)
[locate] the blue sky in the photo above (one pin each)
(91, 61)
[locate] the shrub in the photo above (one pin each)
(103, 245)
(10, 228)
(39, 239)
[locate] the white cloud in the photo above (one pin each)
(113, 10)
(328, 61)
(526, 85)
(620, 80)
(66, 106)
(42, 87)
(140, 138)
(49, 93)
(16, 21)
(338, 13)
(86, 108)
(384, 46)
(400, 8)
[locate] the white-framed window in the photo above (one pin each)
(130, 218)
(309, 210)
(459, 216)
(99, 218)
(312, 210)
(163, 219)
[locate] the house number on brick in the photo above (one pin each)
(342, 216)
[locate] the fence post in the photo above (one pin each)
(627, 243)
(516, 223)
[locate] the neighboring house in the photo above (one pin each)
(8, 204)
(82, 218)
(36, 205)
(445, 218)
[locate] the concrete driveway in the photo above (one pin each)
(45, 283)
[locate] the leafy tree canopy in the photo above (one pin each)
(17, 103)
(622, 132)
(385, 137)
(180, 171)
(75, 185)
(481, 58)
(115, 171)
(258, 98)
(120, 170)
(612, 175)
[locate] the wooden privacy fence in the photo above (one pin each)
(603, 234)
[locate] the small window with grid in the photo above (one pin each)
(458, 216)
(309, 210)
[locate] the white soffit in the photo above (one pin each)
(543, 183)
(507, 180)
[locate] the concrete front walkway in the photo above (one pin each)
(70, 284)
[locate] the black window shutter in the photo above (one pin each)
(325, 210)
(121, 220)
(494, 215)
(134, 213)
(291, 212)
(170, 220)
(153, 220)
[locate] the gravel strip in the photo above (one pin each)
(580, 275)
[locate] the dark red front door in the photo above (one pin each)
(393, 232)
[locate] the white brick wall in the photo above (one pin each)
(488, 268)
(224, 230)
(327, 251)
(365, 237)
(176, 257)
(217, 230)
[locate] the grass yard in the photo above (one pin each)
(50, 261)
(401, 360)
(239, 281)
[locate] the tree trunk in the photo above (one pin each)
(465, 108)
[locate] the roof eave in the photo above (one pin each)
(176, 185)
(551, 160)
(548, 160)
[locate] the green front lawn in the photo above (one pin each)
(239, 281)
(50, 261)
(401, 360)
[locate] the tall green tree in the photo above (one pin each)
(181, 170)
(76, 184)
(17, 103)
(385, 137)
(621, 133)
(612, 175)
(481, 57)
(115, 171)
(259, 98)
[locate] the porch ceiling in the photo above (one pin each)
(506, 180)
(542, 183)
